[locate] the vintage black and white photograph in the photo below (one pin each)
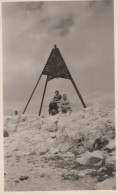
(58, 95)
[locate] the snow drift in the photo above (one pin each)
(82, 144)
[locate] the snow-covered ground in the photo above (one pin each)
(63, 152)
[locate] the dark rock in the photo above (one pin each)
(113, 153)
(42, 153)
(43, 175)
(29, 161)
(110, 146)
(70, 176)
(32, 154)
(22, 178)
(110, 162)
(92, 173)
(101, 178)
(110, 130)
(17, 181)
(17, 158)
(16, 149)
(5, 134)
(91, 159)
(105, 171)
(53, 136)
(9, 156)
(100, 143)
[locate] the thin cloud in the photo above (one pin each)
(30, 6)
(12, 9)
(108, 2)
(44, 20)
(33, 6)
(99, 8)
(91, 4)
(63, 26)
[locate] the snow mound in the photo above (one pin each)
(88, 134)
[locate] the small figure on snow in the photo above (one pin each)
(57, 97)
(65, 104)
(53, 108)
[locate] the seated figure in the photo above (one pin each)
(57, 97)
(53, 108)
(65, 104)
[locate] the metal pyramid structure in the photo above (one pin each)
(55, 68)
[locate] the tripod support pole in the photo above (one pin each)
(78, 93)
(43, 96)
(32, 94)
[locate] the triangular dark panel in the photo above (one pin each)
(55, 66)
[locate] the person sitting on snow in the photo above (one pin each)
(57, 97)
(53, 108)
(65, 104)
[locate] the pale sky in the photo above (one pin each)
(83, 32)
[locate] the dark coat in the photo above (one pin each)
(57, 98)
(53, 105)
